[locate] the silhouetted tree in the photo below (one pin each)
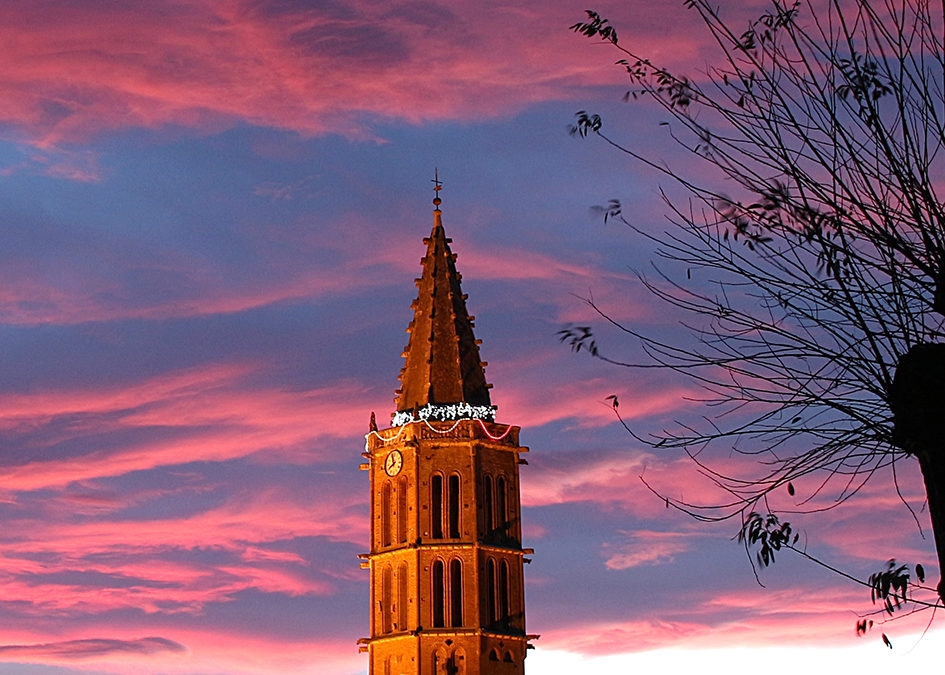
(812, 253)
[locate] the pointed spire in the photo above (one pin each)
(442, 355)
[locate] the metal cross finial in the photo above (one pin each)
(437, 186)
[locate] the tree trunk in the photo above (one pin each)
(933, 471)
(917, 400)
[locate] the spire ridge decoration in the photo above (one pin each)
(442, 374)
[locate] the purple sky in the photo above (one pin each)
(213, 214)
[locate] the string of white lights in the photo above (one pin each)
(445, 412)
(429, 426)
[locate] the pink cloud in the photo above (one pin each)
(612, 476)
(218, 418)
(846, 536)
(851, 529)
(804, 615)
(304, 68)
(169, 387)
(90, 648)
(244, 653)
(624, 300)
(194, 289)
(254, 554)
(620, 637)
(182, 650)
(59, 565)
(85, 275)
(519, 264)
(263, 516)
(188, 592)
(645, 547)
(309, 68)
(581, 396)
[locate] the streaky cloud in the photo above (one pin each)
(93, 648)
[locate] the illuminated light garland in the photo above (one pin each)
(508, 430)
(442, 432)
(367, 437)
(400, 417)
(445, 413)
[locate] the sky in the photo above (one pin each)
(213, 213)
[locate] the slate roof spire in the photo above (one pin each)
(442, 363)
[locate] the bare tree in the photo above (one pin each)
(811, 254)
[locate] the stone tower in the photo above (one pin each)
(446, 560)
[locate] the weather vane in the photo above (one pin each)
(437, 186)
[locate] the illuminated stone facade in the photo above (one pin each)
(446, 560)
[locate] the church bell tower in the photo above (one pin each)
(446, 560)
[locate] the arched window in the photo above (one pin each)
(490, 592)
(456, 593)
(454, 502)
(385, 514)
(458, 657)
(513, 515)
(501, 511)
(401, 597)
(494, 655)
(504, 591)
(446, 663)
(488, 520)
(386, 608)
(438, 592)
(402, 510)
(508, 657)
(436, 505)
(440, 661)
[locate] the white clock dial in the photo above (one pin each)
(394, 463)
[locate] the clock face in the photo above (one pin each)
(394, 463)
